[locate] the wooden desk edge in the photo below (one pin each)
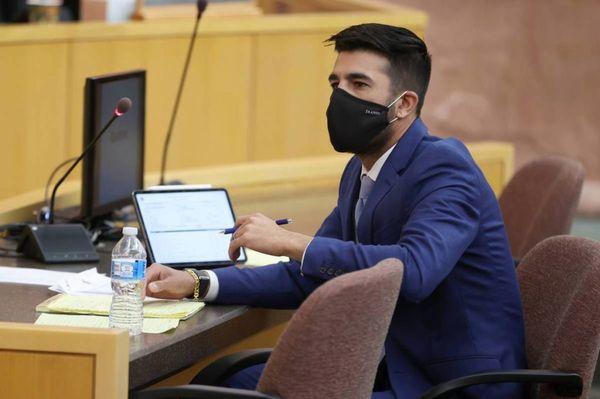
(250, 179)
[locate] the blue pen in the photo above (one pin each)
(278, 221)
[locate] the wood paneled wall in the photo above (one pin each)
(257, 88)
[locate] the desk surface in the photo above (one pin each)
(152, 356)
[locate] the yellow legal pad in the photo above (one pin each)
(150, 326)
(92, 311)
(100, 305)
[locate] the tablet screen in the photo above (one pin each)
(183, 227)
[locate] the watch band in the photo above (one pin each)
(203, 283)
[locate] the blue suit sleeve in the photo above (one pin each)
(275, 286)
(441, 226)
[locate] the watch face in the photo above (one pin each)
(204, 282)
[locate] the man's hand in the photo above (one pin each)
(262, 234)
(167, 283)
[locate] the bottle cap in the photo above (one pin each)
(130, 231)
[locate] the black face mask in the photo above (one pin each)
(354, 123)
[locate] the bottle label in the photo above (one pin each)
(129, 269)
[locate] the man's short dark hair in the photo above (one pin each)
(407, 53)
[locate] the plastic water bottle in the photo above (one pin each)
(128, 280)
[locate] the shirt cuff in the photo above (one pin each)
(213, 287)
(303, 255)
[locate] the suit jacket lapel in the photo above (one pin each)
(397, 161)
(348, 198)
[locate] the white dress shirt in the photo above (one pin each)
(376, 168)
(213, 286)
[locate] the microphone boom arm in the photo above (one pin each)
(83, 154)
(163, 164)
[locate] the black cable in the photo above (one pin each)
(6, 253)
(9, 252)
(12, 229)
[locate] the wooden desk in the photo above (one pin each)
(153, 357)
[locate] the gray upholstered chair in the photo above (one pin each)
(540, 201)
(560, 290)
(330, 348)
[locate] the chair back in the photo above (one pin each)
(333, 343)
(560, 290)
(540, 201)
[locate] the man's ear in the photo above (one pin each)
(407, 105)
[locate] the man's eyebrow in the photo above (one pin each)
(359, 75)
(352, 75)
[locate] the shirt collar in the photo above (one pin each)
(376, 168)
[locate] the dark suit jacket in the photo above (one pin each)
(459, 310)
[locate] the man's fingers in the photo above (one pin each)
(240, 232)
(236, 255)
(234, 249)
(233, 252)
(164, 289)
(153, 272)
(254, 218)
(156, 287)
(160, 289)
(241, 220)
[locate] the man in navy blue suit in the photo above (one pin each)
(407, 195)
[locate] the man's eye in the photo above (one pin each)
(360, 84)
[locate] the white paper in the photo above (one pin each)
(22, 275)
(86, 282)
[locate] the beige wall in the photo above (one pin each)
(524, 71)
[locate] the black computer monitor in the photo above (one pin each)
(115, 168)
(13, 11)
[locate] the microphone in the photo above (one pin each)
(201, 6)
(123, 105)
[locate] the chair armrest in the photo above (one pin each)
(219, 370)
(199, 392)
(565, 384)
